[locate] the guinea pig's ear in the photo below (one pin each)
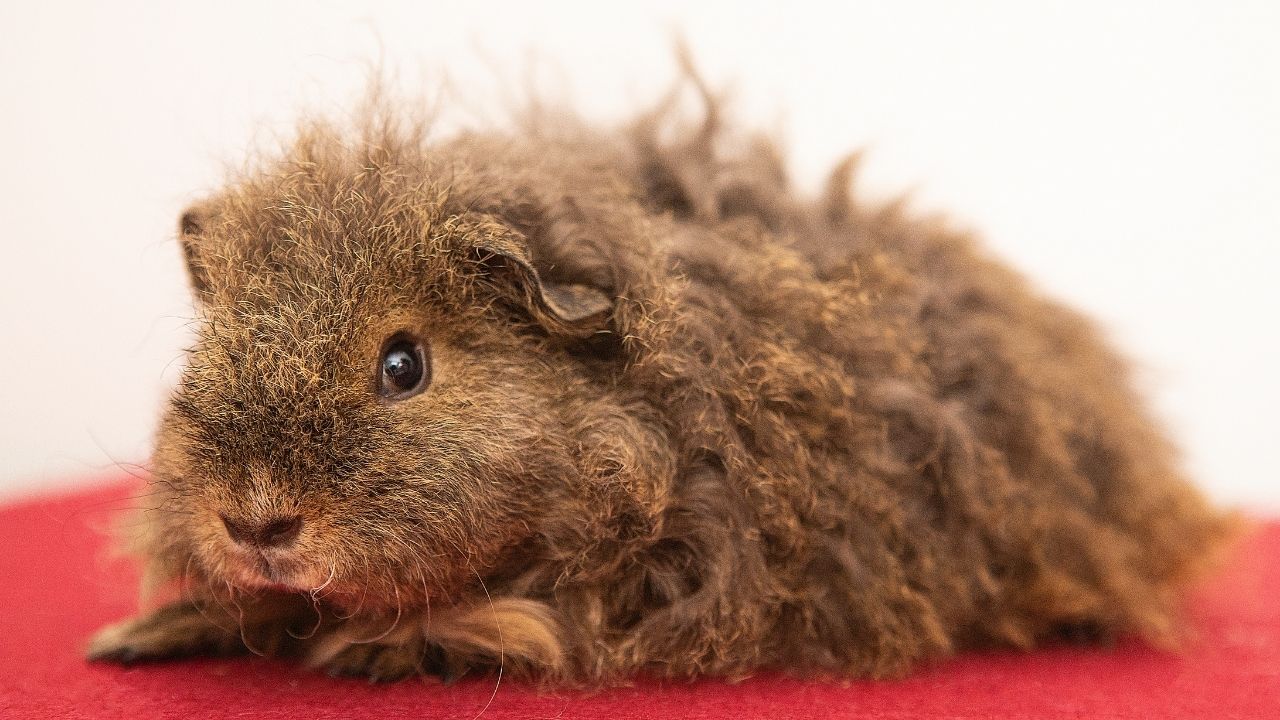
(564, 309)
(191, 228)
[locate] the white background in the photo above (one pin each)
(1126, 155)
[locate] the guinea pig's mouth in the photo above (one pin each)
(258, 570)
(273, 573)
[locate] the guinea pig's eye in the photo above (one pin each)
(404, 370)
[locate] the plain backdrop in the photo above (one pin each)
(1125, 155)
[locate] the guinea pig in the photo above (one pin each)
(578, 404)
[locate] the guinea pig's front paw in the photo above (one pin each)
(387, 660)
(376, 661)
(173, 631)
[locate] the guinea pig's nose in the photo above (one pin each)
(268, 533)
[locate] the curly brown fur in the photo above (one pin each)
(681, 422)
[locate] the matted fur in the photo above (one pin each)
(802, 435)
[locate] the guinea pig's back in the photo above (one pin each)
(1113, 525)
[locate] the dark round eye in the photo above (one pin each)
(404, 370)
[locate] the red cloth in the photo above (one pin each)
(60, 584)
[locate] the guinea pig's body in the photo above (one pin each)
(664, 418)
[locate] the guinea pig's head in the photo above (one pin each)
(384, 398)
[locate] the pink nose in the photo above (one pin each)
(272, 532)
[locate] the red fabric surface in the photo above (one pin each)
(59, 584)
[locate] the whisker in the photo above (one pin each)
(426, 596)
(243, 635)
(186, 593)
(501, 645)
(315, 605)
(333, 569)
(399, 610)
(363, 593)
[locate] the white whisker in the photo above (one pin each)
(501, 645)
(399, 611)
(333, 569)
